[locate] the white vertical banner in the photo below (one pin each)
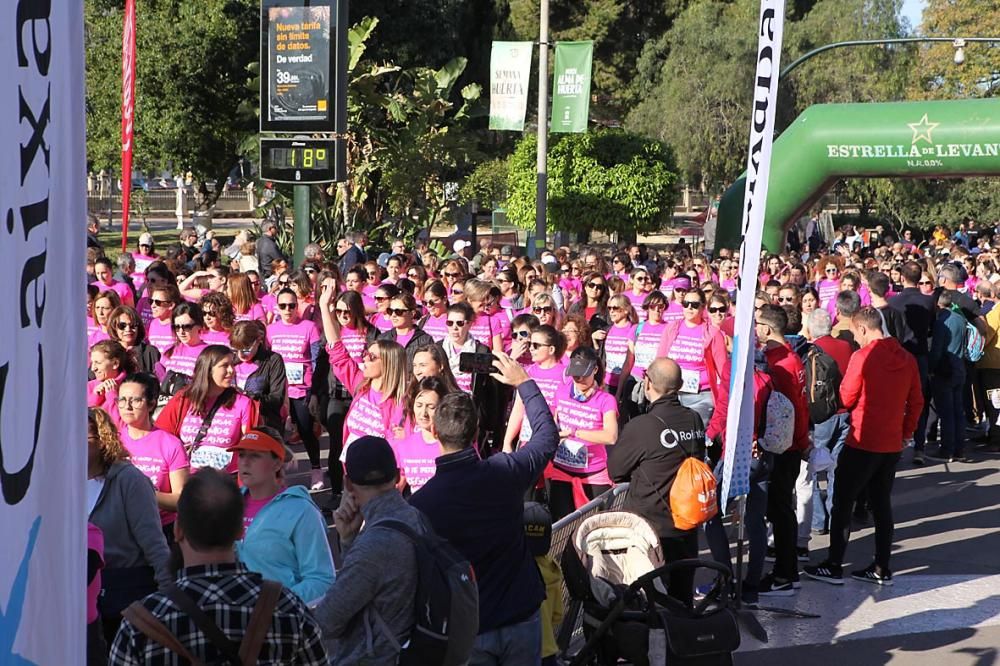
(510, 72)
(739, 419)
(43, 435)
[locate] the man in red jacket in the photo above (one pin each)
(789, 377)
(882, 381)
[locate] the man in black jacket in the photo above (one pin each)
(648, 454)
(267, 249)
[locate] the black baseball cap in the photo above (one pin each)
(537, 528)
(370, 461)
(580, 366)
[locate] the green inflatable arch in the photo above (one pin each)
(828, 142)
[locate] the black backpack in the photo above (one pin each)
(822, 384)
(447, 602)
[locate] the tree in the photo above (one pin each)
(608, 180)
(979, 76)
(191, 83)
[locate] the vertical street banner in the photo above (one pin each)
(571, 86)
(510, 72)
(43, 433)
(739, 419)
(128, 113)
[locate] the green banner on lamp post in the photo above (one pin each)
(571, 86)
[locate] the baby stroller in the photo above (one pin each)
(616, 571)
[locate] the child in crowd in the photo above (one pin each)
(538, 534)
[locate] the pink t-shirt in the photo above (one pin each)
(381, 322)
(96, 336)
(415, 456)
(500, 323)
(269, 303)
(251, 507)
(157, 454)
(91, 327)
(647, 341)
(828, 290)
(295, 344)
(160, 335)
(616, 350)
(403, 339)
(576, 455)
(689, 352)
(637, 302)
(365, 417)
(436, 327)
(256, 311)
(482, 330)
(674, 312)
(243, 371)
(182, 358)
(145, 310)
(227, 426)
(548, 380)
(354, 341)
(212, 337)
(123, 290)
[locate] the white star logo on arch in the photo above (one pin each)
(922, 130)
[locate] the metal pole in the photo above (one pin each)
(301, 229)
(542, 183)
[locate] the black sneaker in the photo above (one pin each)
(802, 554)
(772, 586)
(962, 458)
(873, 574)
(826, 572)
(770, 555)
(918, 458)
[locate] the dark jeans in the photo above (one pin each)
(857, 470)
(920, 436)
(948, 399)
(561, 502)
(753, 520)
(335, 469)
(781, 513)
(303, 420)
(681, 583)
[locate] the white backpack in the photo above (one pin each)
(779, 423)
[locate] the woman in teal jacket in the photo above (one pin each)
(284, 535)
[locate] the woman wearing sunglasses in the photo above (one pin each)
(619, 347)
(157, 275)
(546, 346)
(297, 340)
(417, 450)
(177, 363)
(587, 417)
(126, 328)
(718, 308)
(828, 282)
(144, 256)
(383, 296)
(210, 414)
(699, 348)
(452, 272)
(260, 373)
(511, 297)
(434, 323)
(219, 316)
(595, 300)
(378, 388)
(402, 311)
(544, 307)
(485, 328)
(647, 341)
(109, 363)
(639, 288)
(244, 300)
(104, 304)
(162, 301)
(520, 331)
(418, 276)
(158, 454)
(460, 341)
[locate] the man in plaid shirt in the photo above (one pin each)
(209, 520)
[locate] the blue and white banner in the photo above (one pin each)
(739, 419)
(43, 434)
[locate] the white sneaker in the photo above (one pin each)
(317, 481)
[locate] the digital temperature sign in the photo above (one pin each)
(302, 160)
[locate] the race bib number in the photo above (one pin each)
(211, 456)
(691, 381)
(644, 355)
(295, 373)
(571, 454)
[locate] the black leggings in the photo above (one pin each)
(561, 502)
(335, 469)
(857, 470)
(304, 424)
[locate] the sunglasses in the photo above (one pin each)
(786, 299)
(286, 306)
(452, 323)
(925, 282)
(432, 303)
(413, 276)
(158, 303)
(616, 308)
(640, 279)
(542, 309)
(211, 313)
(595, 285)
(717, 310)
(692, 305)
(522, 334)
(144, 245)
(831, 270)
(452, 275)
(310, 271)
(245, 352)
(382, 299)
(186, 328)
(122, 325)
(457, 292)
(539, 345)
(657, 306)
(368, 356)
(342, 311)
(283, 283)
(397, 312)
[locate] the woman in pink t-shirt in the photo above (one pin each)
(297, 340)
(546, 346)
(177, 364)
(481, 296)
(544, 307)
(434, 322)
(244, 300)
(158, 454)
(355, 331)
(104, 305)
(828, 285)
(157, 275)
(378, 387)
(383, 297)
(104, 271)
(210, 414)
(520, 335)
(638, 291)
(587, 417)
(418, 448)
(162, 301)
(619, 346)
(219, 316)
(109, 362)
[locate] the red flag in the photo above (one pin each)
(128, 113)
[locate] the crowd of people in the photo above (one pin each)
(452, 389)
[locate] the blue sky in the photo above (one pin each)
(912, 10)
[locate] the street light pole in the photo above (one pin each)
(958, 42)
(542, 182)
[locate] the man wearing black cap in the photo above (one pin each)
(371, 591)
(478, 506)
